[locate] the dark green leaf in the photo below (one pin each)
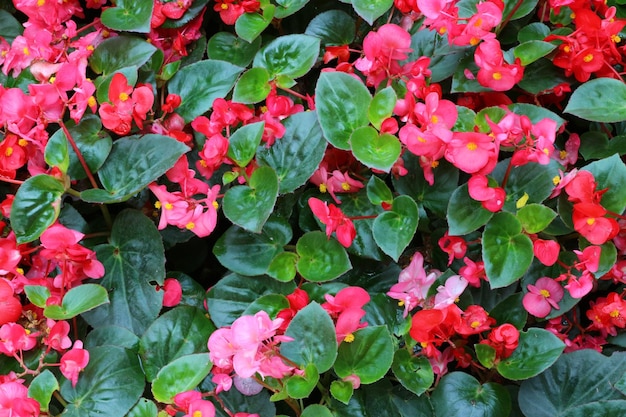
(106, 58)
(243, 143)
(464, 213)
(610, 173)
(143, 408)
(507, 251)
(378, 192)
(414, 372)
(394, 230)
(342, 104)
(321, 259)
(510, 310)
(535, 31)
(133, 259)
(10, 27)
(290, 55)
(181, 331)
(333, 27)
(199, 84)
(249, 206)
(286, 8)
(110, 385)
(368, 356)
(112, 335)
(538, 349)
(460, 395)
(36, 206)
(444, 59)
(599, 100)
(227, 47)
(596, 145)
(518, 10)
(129, 16)
(314, 341)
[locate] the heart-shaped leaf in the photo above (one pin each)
(289, 55)
(106, 58)
(77, 301)
(249, 206)
(538, 349)
(182, 374)
(371, 10)
(414, 372)
(464, 213)
(535, 217)
(252, 87)
(243, 143)
(378, 151)
(368, 356)
(129, 16)
(394, 230)
(250, 25)
(321, 259)
(459, 395)
(507, 251)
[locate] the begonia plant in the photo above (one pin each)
(312, 208)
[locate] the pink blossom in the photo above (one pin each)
(472, 152)
(172, 292)
(581, 286)
(74, 361)
(542, 297)
(449, 293)
(14, 338)
(14, 401)
(546, 251)
(413, 284)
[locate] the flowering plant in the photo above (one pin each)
(305, 208)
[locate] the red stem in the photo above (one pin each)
(83, 163)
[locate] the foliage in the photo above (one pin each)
(312, 208)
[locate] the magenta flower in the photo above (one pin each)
(542, 297)
(74, 361)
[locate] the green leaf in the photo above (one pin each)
(579, 384)
(316, 410)
(535, 217)
(290, 55)
(357, 204)
(596, 145)
(321, 259)
(134, 162)
(184, 330)
(133, 259)
(486, 354)
(464, 213)
(538, 349)
(286, 8)
(314, 340)
(283, 266)
(342, 390)
(511, 310)
(444, 58)
(93, 143)
(253, 86)
(197, 6)
(106, 58)
(243, 143)
(113, 380)
(459, 395)
(76, 301)
(10, 27)
(378, 151)
(599, 100)
(295, 156)
(144, 408)
(42, 387)
(507, 251)
(225, 46)
(200, 83)
(128, 16)
(371, 10)
(610, 173)
(414, 372)
(394, 230)
(518, 10)
(299, 387)
(250, 25)
(536, 113)
(112, 335)
(541, 75)
(381, 106)
(270, 303)
(182, 374)
(233, 294)
(248, 253)
(36, 206)
(56, 154)
(342, 104)
(369, 356)
(333, 27)
(378, 192)
(37, 294)
(535, 31)
(529, 52)
(249, 206)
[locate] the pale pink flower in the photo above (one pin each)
(413, 284)
(449, 293)
(542, 297)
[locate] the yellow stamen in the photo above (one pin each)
(157, 205)
(197, 413)
(123, 96)
(168, 206)
(474, 324)
(471, 146)
(216, 205)
(91, 101)
(26, 51)
(556, 180)
(545, 293)
(323, 188)
(190, 226)
(434, 164)
(345, 186)
(563, 154)
(224, 6)
(614, 313)
(434, 119)
(591, 221)
(474, 41)
(588, 58)
(349, 338)
(497, 76)
(8, 151)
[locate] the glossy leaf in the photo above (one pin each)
(333, 27)
(371, 10)
(270, 303)
(106, 58)
(10, 27)
(599, 100)
(538, 349)
(507, 251)
(465, 214)
(342, 390)
(580, 383)
(444, 59)
(394, 229)
(37, 294)
(286, 8)
(133, 259)
(185, 330)
(243, 143)
(296, 155)
(57, 155)
(144, 408)
(93, 143)
(535, 217)
(301, 386)
(596, 145)
(529, 52)
(197, 6)
(182, 374)
(486, 354)
(378, 151)
(290, 55)
(225, 46)
(42, 387)
(321, 259)
(112, 335)
(252, 87)
(610, 173)
(200, 83)
(250, 25)
(113, 380)
(316, 410)
(76, 301)
(249, 206)
(510, 310)
(381, 106)
(314, 341)
(535, 31)
(378, 192)
(369, 356)
(414, 372)
(459, 394)
(36, 206)
(514, 10)
(283, 266)
(129, 16)
(342, 104)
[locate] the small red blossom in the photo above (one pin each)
(335, 221)
(74, 361)
(504, 339)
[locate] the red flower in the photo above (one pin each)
(589, 221)
(74, 361)
(335, 221)
(494, 72)
(547, 251)
(10, 306)
(434, 326)
(125, 105)
(504, 339)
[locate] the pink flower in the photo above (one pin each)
(579, 287)
(74, 361)
(14, 338)
(547, 251)
(14, 401)
(542, 297)
(335, 221)
(413, 284)
(472, 152)
(346, 308)
(494, 72)
(449, 293)
(172, 292)
(58, 336)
